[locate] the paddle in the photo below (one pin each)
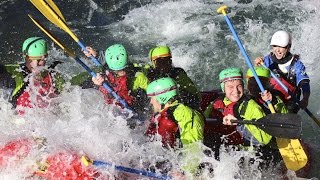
(277, 125)
(291, 150)
(71, 54)
(51, 11)
(88, 162)
(292, 95)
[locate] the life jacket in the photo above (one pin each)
(288, 79)
(277, 99)
(120, 86)
(219, 111)
(49, 84)
(42, 90)
(164, 124)
(125, 86)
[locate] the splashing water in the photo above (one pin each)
(200, 42)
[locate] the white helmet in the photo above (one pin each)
(280, 38)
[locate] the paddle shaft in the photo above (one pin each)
(257, 123)
(285, 145)
(131, 170)
(292, 95)
(53, 14)
(271, 126)
(244, 53)
(70, 53)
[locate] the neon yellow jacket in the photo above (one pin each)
(191, 126)
(252, 112)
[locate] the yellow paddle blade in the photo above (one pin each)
(51, 36)
(291, 150)
(292, 153)
(55, 9)
(49, 12)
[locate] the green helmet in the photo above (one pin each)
(229, 74)
(116, 57)
(35, 47)
(164, 89)
(159, 51)
(261, 72)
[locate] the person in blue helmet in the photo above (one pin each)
(290, 70)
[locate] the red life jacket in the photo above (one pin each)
(42, 90)
(276, 86)
(120, 87)
(219, 111)
(164, 125)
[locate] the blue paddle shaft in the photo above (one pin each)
(244, 53)
(105, 85)
(131, 170)
(316, 120)
(91, 57)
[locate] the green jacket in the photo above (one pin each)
(247, 109)
(191, 126)
(190, 121)
(251, 112)
(279, 105)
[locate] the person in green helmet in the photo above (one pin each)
(126, 80)
(35, 84)
(161, 60)
(235, 104)
(179, 125)
(269, 95)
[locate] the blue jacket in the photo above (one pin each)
(296, 72)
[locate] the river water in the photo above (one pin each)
(201, 43)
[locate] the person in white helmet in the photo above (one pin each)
(290, 70)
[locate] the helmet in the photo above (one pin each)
(116, 57)
(164, 89)
(35, 48)
(280, 38)
(261, 71)
(159, 51)
(229, 74)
